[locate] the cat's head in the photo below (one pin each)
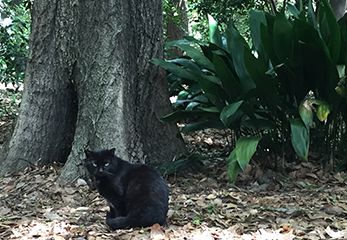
(101, 163)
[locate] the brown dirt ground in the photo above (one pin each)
(304, 203)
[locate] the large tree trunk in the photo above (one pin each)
(45, 126)
(90, 84)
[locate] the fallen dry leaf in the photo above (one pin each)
(310, 205)
(157, 232)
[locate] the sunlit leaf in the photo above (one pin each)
(293, 10)
(241, 155)
(256, 18)
(323, 112)
(340, 90)
(305, 111)
(311, 16)
(215, 36)
(245, 148)
(233, 166)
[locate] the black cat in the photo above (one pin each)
(136, 193)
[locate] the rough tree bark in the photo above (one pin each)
(90, 84)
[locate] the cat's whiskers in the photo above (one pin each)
(110, 174)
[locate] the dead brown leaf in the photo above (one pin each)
(157, 232)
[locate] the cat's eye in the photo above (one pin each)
(94, 164)
(106, 164)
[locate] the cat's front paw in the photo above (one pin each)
(117, 223)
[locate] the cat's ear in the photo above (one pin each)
(112, 151)
(88, 153)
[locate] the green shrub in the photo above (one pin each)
(287, 86)
(14, 45)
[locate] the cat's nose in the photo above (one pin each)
(100, 173)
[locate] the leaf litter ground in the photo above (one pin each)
(305, 204)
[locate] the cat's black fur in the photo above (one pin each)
(136, 193)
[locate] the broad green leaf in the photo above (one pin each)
(209, 50)
(259, 124)
(210, 85)
(256, 18)
(305, 111)
(323, 112)
(197, 41)
(183, 162)
(176, 43)
(174, 82)
(192, 52)
(228, 79)
(198, 57)
(212, 79)
(183, 114)
(236, 44)
(233, 166)
(188, 64)
(283, 37)
(182, 95)
(343, 31)
(192, 105)
(319, 70)
(341, 69)
(245, 148)
(175, 69)
(267, 39)
(210, 109)
(215, 36)
(228, 111)
(307, 34)
(311, 16)
(290, 80)
(292, 8)
(188, 40)
(213, 92)
(300, 138)
(195, 126)
(263, 81)
(330, 30)
(341, 90)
